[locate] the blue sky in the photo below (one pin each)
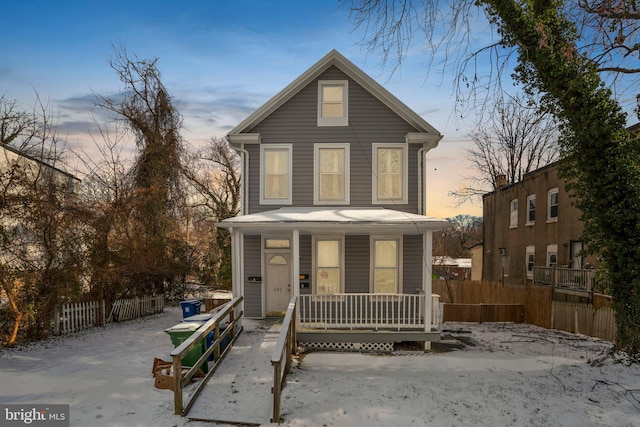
(220, 59)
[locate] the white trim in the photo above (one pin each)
(513, 213)
(276, 147)
(552, 249)
(341, 258)
(334, 121)
(529, 250)
(399, 260)
(346, 181)
(404, 174)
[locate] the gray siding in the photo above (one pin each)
(412, 264)
(252, 267)
(306, 263)
(356, 264)
(295, 123)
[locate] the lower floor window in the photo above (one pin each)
(385, 255)
(328, 265)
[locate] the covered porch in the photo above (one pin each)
(357, 310)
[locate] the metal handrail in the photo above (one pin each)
(285, 347)
(196, 338)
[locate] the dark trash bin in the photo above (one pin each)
(202, 319)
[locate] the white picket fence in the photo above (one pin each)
(75, 317)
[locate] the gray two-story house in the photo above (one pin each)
(332, 209)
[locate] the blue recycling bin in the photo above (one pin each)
(202, 319)
(190, 308)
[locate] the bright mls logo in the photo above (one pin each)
(34, 415)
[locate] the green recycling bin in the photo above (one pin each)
(179, 333)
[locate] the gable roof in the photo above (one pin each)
(334, 58)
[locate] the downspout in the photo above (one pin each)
(244, 161)
(421, 181)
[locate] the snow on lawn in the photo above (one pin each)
(497, 375)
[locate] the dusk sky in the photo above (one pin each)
(220, 60)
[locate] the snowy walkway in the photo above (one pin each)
(240, 390)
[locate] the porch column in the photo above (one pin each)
(237, 264)
(427, 250)
(295, 255)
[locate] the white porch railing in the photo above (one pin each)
(367, 311)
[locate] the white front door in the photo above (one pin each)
(278, 282)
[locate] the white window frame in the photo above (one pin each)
(513, 214)
(399, 256)
(550, 194)
(530, 252)
(334, 121)
(552, 249)
(345, 174)
(404, 174)
(263, 168)
(530, 221)
(314, 256)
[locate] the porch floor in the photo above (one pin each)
(243, 380)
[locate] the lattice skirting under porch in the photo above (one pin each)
(349, 346)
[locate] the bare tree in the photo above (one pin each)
(151, 116)
(41, 259)
(515, 139)
(214, 174)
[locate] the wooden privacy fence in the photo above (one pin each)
(472, 301)
(74, 317)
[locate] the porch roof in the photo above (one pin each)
(346, 220)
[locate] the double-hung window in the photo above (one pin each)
(552, 255)
(275, 177)
(328, 265)
(513, 218)
(531, 259)
(390, 179)
(531, 209)
(386, 253)
(333, 103)
(331, 177)
(552, 205)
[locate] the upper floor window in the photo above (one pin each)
(513, 218)
(531, 209)
(552, 205)
(333, 103)
(329, 265)
(390, 173)
(331, 177)
(386, 256)
(531, 259)
(275, 177)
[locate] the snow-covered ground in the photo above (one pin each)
(497, 375)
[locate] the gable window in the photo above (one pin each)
(513, 219)
(275, 177)
(331, 177)
(333, 103)
(552, 205)
(552, 255)
(531, 259)
(531, 209)
(386, 256)
(389, 173)
(328, 265)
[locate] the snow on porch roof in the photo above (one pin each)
(335, 220)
